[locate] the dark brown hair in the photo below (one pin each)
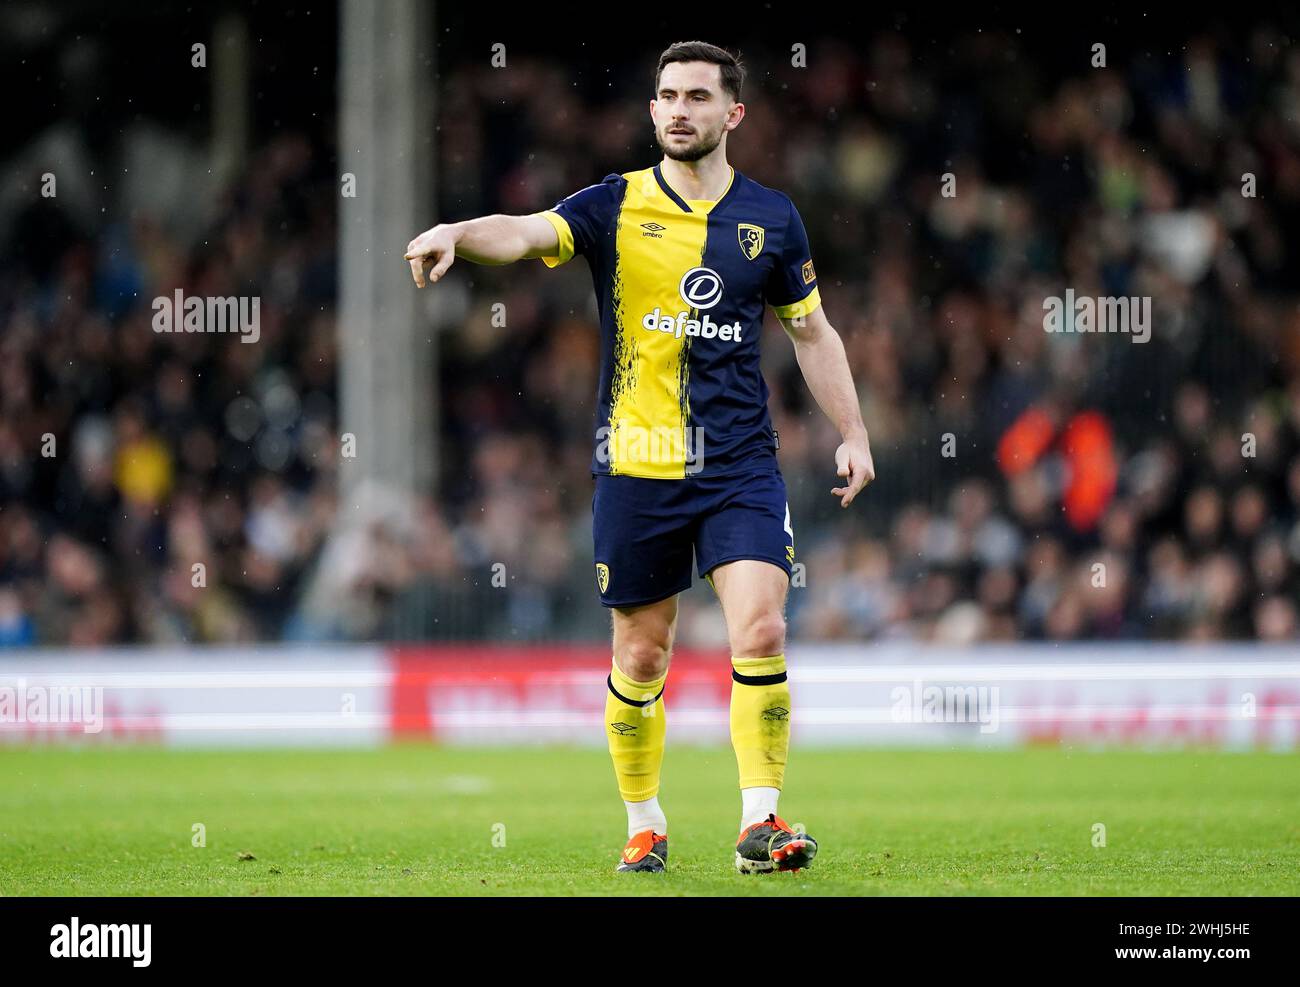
(733, 73)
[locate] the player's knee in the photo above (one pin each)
(760, 637)
(644, 660)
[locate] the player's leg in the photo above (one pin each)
(746, 548)
(643, 544)
(753, 594)
(636, 725)
(634, 708)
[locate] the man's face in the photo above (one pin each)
(691, 111)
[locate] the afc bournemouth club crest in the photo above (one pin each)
(751, 239)
(602, 576)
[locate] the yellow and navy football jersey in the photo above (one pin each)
(680, 288)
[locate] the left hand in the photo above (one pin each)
(853, 460)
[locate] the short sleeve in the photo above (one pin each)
(792, 285)
(580, 220)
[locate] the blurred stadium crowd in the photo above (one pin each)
(1031, 485)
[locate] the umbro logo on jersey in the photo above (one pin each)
(653, 230)
(622, 729)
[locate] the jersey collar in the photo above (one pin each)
(682, 203)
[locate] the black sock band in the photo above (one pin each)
(774, 679)
(632, 702)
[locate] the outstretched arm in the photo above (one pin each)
(820, 352)
(488, 240)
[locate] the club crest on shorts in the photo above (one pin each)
(751, 239)
(602, 576)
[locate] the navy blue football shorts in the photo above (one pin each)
(646, 530)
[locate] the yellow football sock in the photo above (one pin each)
(760, 720)
(635, 725)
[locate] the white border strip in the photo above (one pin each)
(382, 678)
(279, 679)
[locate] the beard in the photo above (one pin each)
(703, 144)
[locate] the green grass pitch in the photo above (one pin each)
(423, 820)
